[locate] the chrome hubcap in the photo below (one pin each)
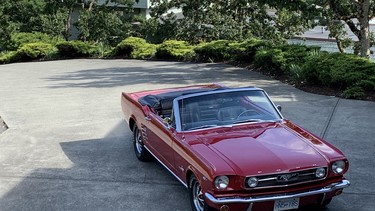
(138, 142)
(198, 196)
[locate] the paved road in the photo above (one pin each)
(67, 147)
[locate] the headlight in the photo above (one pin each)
(221, 182)
(338, 166)
(252, 182)
(320, 172)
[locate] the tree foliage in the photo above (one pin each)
(110, 21)
(207, 20)
(335, 15)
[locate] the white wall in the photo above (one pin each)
(141, 4)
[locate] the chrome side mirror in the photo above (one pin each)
(167, 121)
(278, 107)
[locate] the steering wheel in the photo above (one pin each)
(246, 112)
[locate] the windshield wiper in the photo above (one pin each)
(252, 120)
(201, 127)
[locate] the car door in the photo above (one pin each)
(159, 139)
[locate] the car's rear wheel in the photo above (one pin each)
(196, 196)
(139, 148)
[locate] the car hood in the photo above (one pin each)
(263, 150)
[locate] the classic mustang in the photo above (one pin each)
(232, 148)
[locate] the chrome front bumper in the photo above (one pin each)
(327, 189)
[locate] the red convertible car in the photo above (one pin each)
(232, 148)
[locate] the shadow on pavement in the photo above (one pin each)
(105, 175)
(158, 74)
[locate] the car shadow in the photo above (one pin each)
(104, 175)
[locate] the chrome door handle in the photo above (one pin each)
(147, 118)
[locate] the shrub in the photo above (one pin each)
(127, 46)
(143, 52)
(280, 60)
(248, 49)
(297, 54)
(75, 49)
(32, 51)
(20, 39)
(135, 47)
(341, 71)
(353, 93)
(174, 49)
(367, 85)
(8, 57)
(271, 60)
(295, 72)
(219, 50)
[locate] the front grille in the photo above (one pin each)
(285, 179)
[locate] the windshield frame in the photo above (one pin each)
(176, 107)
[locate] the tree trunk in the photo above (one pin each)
(339, 45)
(68, 24)
(364, 29)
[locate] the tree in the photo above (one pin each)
(18, 16)
(237, 20)
(104, 22)
(356, 14)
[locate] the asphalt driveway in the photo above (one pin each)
(68, 148)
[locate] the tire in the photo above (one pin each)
(196, 196)
(139, 149)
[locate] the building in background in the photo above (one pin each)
(141, 8)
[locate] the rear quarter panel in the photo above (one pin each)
(131, 108)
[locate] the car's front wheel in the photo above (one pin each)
(139, 148)
(196, 196)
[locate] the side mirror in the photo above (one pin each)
(278, 107)
(167, 121)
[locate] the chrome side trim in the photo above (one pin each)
(225, 200)
(167, 168)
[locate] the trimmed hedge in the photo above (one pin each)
(282, 60)
(136, 48)
(8, 57)
(224, 50)
(216, 51)
(271, 60)
(70, 49)
(352, 74)
(175, 50)
(249, 48)
(33, 51)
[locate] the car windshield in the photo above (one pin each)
(225, 108)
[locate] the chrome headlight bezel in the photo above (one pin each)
(221, 182)
(252, 182)
(338, 167)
